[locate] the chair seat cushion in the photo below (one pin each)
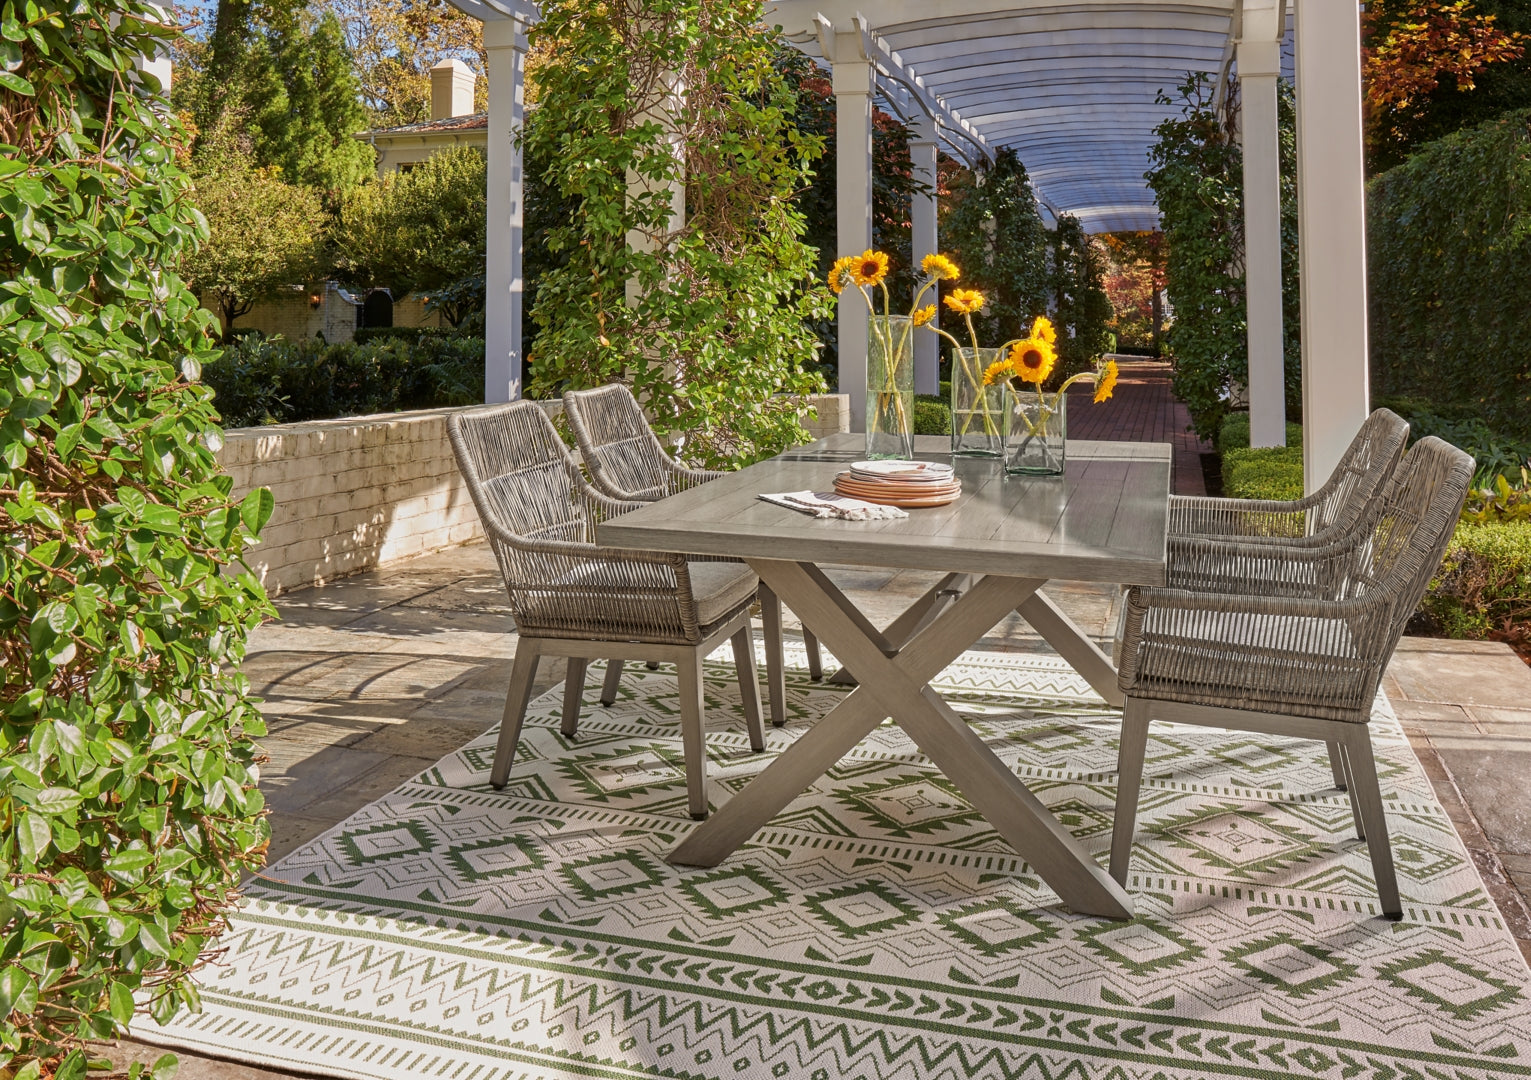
(720, 588)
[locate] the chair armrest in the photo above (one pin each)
(1267, 519)
(1323, 571)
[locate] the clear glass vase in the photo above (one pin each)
(978, 411)
(890, 387)
(1037, 442)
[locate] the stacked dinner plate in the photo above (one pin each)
(900, 483)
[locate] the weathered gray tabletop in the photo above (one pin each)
(1104, 520)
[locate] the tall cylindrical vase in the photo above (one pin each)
(978, 411)
(890, 387)
(1037, 442)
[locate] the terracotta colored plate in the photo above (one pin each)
(911, 490)
(907, 502)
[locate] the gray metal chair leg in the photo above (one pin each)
(1368, 796)
(652, 665)
(692, 737)
(1350, 786)
(1337, 763)
(1129, 781)
(611, 682)
(522, 674)
(815, 658)
(749, 686)
(776, 675)
(573, 694)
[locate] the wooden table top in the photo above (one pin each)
(1104, 520)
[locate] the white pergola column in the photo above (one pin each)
(922, 218)
(1331, 207)
(666, 113)
(505, 45)
(1259, 60)
(853, 75)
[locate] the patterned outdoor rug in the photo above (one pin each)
(877, 928)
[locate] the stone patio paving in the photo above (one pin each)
(372, 679)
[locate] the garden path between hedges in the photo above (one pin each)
(369, 680)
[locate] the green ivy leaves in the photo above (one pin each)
(709, 324)
(128, 801)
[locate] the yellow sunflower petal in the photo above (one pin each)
(1033, 360)
(964, 301)
(923, 315)
(997, 372)
(940, 267)
(869, 268)
(1043, 330)
(838, 272)
(1105, 382)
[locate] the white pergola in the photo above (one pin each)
(1071, 86)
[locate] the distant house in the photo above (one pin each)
(453, 123)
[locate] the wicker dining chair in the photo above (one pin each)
(626, 461)
(1302, 666)
(573, 598)
(1314, 520)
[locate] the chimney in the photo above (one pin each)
(452, 85)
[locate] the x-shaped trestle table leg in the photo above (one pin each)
(893, 681)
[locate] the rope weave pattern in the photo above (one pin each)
(1316, 638)
(625, 458)
(540, 515)
(1331, 511)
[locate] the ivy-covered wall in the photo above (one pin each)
(1449, 258)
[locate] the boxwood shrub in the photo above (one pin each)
(127, 773)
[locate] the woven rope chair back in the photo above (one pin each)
(1415, 521)
(540, 522)
(619, 447)
(1363, 471)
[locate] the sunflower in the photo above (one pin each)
(1033, 360)
(1105, 382)
(838, 272)
(869, 268)
(940, 267)
(1043, 330)
(964, 301)
(997, 372)
(923, 315)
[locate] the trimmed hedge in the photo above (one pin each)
(1483, 589)
(366, 334)
(1449, 250)
(275, 381)
(1234, 432)
(1272, 472)
(932, 415)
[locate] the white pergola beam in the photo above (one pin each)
(926, 241)
(1331, 209)
(853, 84)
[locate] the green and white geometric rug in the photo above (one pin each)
(877, 928)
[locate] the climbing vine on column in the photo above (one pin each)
(1198, 178)
(711, 326)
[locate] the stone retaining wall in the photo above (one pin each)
(363, 492)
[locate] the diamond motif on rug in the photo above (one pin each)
(876, 928)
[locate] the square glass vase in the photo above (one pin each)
(890, 387)
(979, 412)
(1037, 441)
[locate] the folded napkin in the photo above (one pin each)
(829, 504)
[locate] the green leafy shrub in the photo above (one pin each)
(127, 776)
(276, 381)
(932, 415)
(1449, 258)
(1197, 175)
(1483, 588)
(1273, 472)
(1500, 500)
(366, 334)
(1495, 451)
(1233, 433)
(716, 335)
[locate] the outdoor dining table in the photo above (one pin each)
(1104, 520)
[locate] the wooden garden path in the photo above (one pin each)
(1142, 410)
